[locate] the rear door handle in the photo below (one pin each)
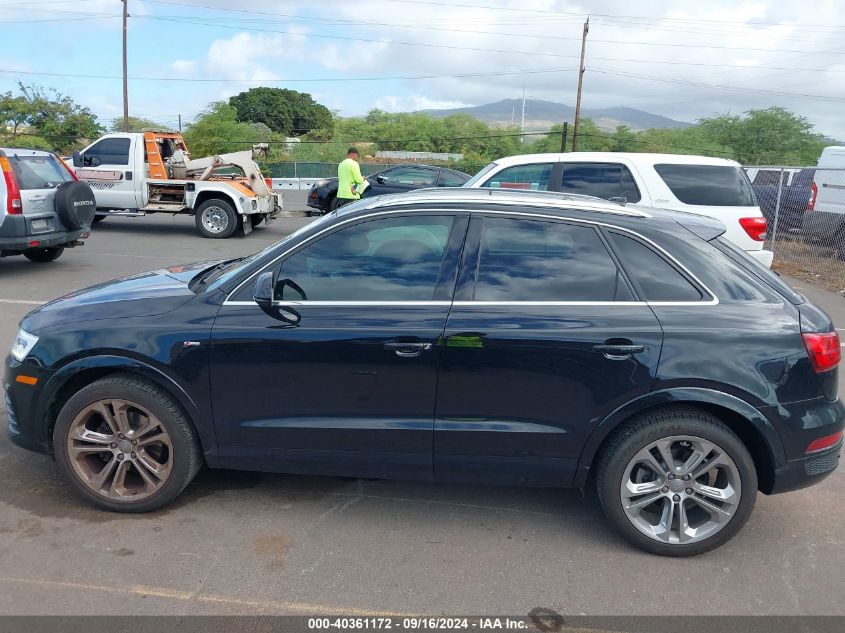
(407, 349)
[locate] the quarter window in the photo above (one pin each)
(391, 259)
(450, 179)
(532, 260)
(109, 151)
(602, 180)
(708, 185)
(658, 279)
(532, 177)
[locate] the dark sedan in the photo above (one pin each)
(470, 335)
(399, 179)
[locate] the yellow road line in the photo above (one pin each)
(187, 596)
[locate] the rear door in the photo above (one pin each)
(402, 179)
(38, 174)
(106, 166)
(545, 338)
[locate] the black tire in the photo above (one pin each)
(75, 204)
(333, 204)
(44, 255)
(186, 454)
(97, 219)
(216, 212)
(639, 433)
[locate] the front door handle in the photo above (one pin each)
(407, 349)
(618, 349)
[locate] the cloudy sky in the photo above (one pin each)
(683, 59)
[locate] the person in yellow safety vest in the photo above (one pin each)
(351, 184)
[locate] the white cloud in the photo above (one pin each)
(412, 103)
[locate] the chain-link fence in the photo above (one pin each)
(805, 212)
(329, 170)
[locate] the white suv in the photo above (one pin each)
(713, 187)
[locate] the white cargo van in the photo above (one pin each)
(825, 216)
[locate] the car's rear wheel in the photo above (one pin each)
(97, 219)
(333, 204)
(216, 218)
(125, 445)
(676, 482)
(44, 255)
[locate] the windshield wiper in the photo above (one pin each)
(205, 277)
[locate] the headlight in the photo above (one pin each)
(24, 342)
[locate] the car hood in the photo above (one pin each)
(147, 294)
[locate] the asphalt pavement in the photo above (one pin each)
(237, 543)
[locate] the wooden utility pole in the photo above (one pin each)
(180, 122)
(580, 84)
(125, 81)
(563, 133)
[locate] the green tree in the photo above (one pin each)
(218, 131)
(284, 111)
(136, 124)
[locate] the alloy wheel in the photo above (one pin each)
(680, 489)
(119, 450)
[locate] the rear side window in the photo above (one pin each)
(109, 151)
(532, 260)
(602, 180)
(657, 279)
(450, 179)
(531, 177)
(708, 185)
(38, 172)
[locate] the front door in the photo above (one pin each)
(543, 341)
(402, 179)
(106, 167)
(341, 378)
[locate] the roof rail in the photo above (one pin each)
(514, 197)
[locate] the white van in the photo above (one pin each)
(714, 187)
(825, 215)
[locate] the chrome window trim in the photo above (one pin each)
(714, 300)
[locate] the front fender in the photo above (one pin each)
(113, 363)
(679, 395)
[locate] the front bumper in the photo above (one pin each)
(27, 427)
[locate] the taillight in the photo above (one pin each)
(14, 204)
(755, 227)
(824, 349)
(814, 191)
(824, 442)
(269, 183)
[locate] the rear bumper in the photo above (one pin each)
(17, 235)
(763, 256)
(801, 473)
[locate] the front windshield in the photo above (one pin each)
(226, 272)
(471, 182)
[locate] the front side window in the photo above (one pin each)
(533, 260)
(531, 177)
(658, 279)
(708, 185)
(391, 259)
(602, 180)
(109, 151)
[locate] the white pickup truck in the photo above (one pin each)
(152, 172)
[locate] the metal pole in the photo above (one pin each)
(777, 211)
(580, 85)
(563, 135)
(180, 122)
(125, 82)
(522, 140)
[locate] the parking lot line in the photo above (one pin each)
(184, 596)
(23, 302)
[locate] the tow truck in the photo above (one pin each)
(137, 173)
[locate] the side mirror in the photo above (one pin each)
(262, 292)
(77, 159)
(381, 179)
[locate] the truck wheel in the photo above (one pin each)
(44, 255)
(216, 218)
(676, 482)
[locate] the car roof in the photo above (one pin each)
(641, 158)
(6, 151)
(563, 205)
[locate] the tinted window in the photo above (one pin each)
(603, 180)
(770, 177)
(530, 260)
(449, 179)
(110, 151)
(658, 279)
(395, 259)
(38, 172)
(410, 176)
(533, 177)
(711, 185)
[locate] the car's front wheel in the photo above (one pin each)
(676, 482)
(125, 445)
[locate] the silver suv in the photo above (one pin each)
(43, 207)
